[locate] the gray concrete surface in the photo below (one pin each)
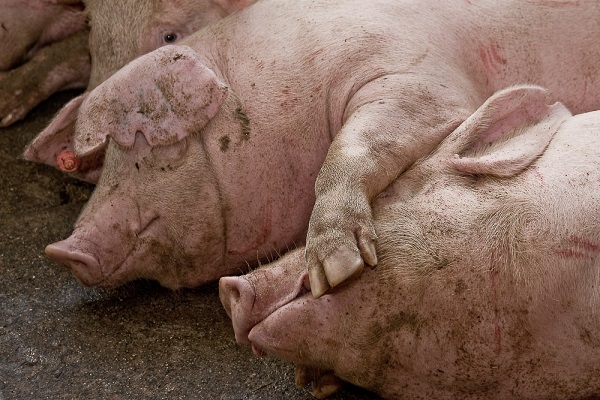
(59, 340)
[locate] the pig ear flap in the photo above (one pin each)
(507, 133)
(58, 136)
(166, 95)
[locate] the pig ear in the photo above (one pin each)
(166, 95)
(507, 133)
(57, 137)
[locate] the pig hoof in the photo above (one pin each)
(323, 383)
(367, 250)
(318, 282)
(326, 385)
(338, 267)
(341, 265)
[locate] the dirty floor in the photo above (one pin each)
(59, 340)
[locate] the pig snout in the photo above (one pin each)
(237, 296)
(252, 298)
(84, 266)
(107, 233)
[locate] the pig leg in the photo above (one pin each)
(390, 123)
(59, 66)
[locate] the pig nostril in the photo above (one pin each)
(84, 266)
(61, 254)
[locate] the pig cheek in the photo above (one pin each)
(147, 259)
(302, 332)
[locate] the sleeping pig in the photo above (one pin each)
(213, 146)
(488, 275)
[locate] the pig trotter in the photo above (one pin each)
(323, 383)
(341, 265)
(338, 248)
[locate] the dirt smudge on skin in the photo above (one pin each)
(244, 123)
(224, 140)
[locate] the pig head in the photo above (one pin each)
(178, 200)
(119, 32)
(145, 219)
(488, 272)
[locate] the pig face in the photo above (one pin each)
(164, 222)
(481, 290)
(157, 210)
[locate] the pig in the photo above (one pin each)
(43, 49)
(488, 274)
(281, 123)
(120, 31)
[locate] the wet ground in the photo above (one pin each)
(59, 340)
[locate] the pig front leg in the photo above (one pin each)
(59, 66)
(388, 126)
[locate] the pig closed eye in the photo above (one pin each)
(170, 37)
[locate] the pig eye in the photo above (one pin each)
(170, 37)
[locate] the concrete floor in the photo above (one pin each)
(59, 340)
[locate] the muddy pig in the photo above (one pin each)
(43, 49)
(489, 266)
(120, 31)
(217, 142)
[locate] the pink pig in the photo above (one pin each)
(488, 275)
(214, 145)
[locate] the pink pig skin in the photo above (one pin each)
(362, 93)
(489, 266)
(43, 49)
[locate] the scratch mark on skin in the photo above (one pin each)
(558, 3)
(491, 58)
(586, 244)
(580, 248)
(3, 27)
